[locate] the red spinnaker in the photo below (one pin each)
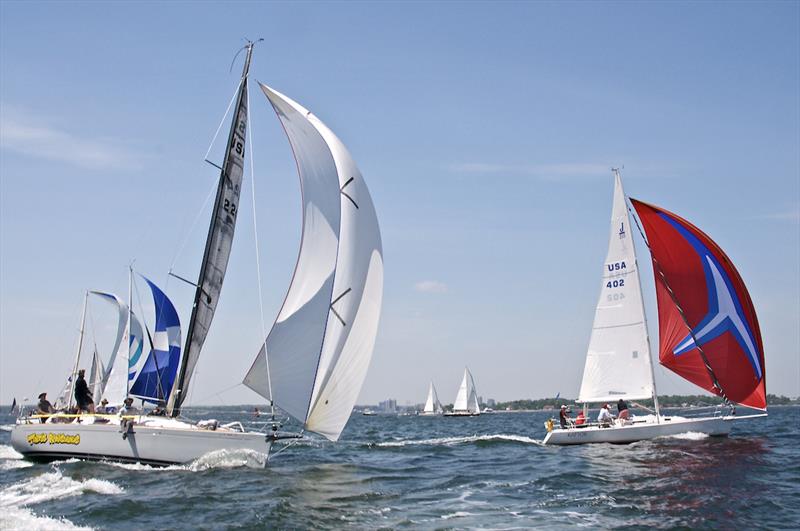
(715, 303)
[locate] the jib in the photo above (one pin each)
(616, 266)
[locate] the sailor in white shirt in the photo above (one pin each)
(605, 418)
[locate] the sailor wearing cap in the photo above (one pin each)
(564, 418)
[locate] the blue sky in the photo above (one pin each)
(485, 131)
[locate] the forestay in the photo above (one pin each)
(321, 343)
(618, 363)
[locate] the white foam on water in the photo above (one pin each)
(23, 518)
(450, 441)
(52, 486)
(14, 463)
(6, 427)
(142, 467)
(7, 452)
(229, 459)
(457, 514)
(688, 436)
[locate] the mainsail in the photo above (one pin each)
(709, 331)
(155, 380)
(218, 244)
(432, 404)
(618, 361)
(321, 343)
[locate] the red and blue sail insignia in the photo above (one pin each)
(703, 292)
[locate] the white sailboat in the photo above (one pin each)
(432, 404)
(466, 402)
(618, 360)
(313, 361)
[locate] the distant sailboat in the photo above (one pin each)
(466, 403)
(313, 361)
(702, 301)
(432, 404)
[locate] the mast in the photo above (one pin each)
(646, 330)
(218, 243)
(127, 335)
(78, 352)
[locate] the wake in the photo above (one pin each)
(452, 441)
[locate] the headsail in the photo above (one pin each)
(218, 244)
(155, 380)
(618, 361)
(701, 296)
(460, 403)
(114, 382)
(467, 397)
(321, 343)
(432, 404)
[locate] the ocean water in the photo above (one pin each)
(428, 473)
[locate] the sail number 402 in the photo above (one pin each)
(229, 207)
(616, 283)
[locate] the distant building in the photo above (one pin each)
(490, 402)
(388, 406)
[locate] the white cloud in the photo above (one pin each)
(786, 215)
(542, 171)
(430, 286)
(42, 141)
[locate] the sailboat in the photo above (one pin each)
(466, 403)
(313, 361)
(709, 331)
(432, 404)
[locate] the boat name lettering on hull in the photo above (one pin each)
(54, 438)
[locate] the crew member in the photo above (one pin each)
(82, 395)
(605, 418)
(622, 411)
(44, 407)
(564, 418)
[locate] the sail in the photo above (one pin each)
(113, 384)
(460, 403)
(155, 380)
(321, 343)
(706, 287)
(473, 403)
(218, 244)
(618, 363)
(96, 377)
(432, 401)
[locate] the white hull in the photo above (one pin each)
(461, 413)
(639, 429)
(153, 440)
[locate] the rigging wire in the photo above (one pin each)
(258, 262)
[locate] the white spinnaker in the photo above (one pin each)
(461, 403)
(113, 386)
(618, 358)
(321, 343)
